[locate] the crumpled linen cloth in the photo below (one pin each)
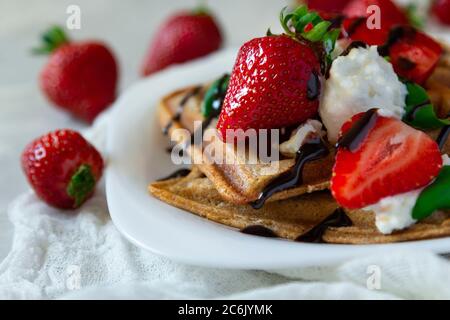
(81, 255)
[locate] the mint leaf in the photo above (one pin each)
(434, 197)
(419, 111)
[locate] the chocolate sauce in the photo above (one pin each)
(359, 131)
(443, 137)
(177, 174)
(405, 64)
(260, 231)
(412, 114)
(181, 106)
(313, 150)
(395, 35)
(337, 219)
(354, 26)
(353, 45)
(313, 90)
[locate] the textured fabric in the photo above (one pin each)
(81, 255)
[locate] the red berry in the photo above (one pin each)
(63, 168)
(80, 77)
(327, 8)
(393, 158)
(269, 85)
(356, 26)
(183, 37)
(413, 54)
(441, 9)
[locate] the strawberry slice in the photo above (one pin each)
(379, 157)
(414, 55)
(355, 26)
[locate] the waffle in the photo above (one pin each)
(287, 218)
(222, 193)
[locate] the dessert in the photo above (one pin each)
(357, 151)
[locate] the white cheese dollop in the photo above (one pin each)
(395, 213)
(358, 82)
(310, 128)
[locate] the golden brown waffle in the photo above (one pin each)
(438, 85)
(288, 218)
(240, 183)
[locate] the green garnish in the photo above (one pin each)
(419, 109)
(434, 197)
(318, 30)
(213, 99)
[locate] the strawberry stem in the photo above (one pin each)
(81, 184)
(52, 39)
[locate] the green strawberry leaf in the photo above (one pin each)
(419, 111)
(414, 17)
(434, 197)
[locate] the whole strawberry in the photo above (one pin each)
(183, 37)
(269, 85)
(63, 168)
(276, 80)
(441, 9)
(79, 77)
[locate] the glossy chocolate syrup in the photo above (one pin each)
(412, 114)
(359, 131)
(313, 150)
(443, 137)
(177, 174)
(260, 231)
(405, 64)
(354, 26)
(313, 89)
(395, 35)
(353, 45)
(183, 102)
(337, 219)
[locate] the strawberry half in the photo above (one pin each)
(271, 85)
(355, 26)
(379, 157)
(413, 54)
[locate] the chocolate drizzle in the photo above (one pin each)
(359, 131)
(395, 35)
(177, 174)
(180, 109)
(354, 26)
(261, 231)
(313, 90)
(353, 45)
(337, 219)
(412, 114)
(405, 64)
(313, 150)
(443, 137)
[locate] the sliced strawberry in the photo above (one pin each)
(414, 55)
(390, 158)
(357, 28)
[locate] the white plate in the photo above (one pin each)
(137, 154)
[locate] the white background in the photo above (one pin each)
(127, 26)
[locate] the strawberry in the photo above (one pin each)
(183, 37)
(355, 26)
(269, 85)
(413, 54)
(63, 168)
(379, 157)
(80, 77)
(441, 9)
